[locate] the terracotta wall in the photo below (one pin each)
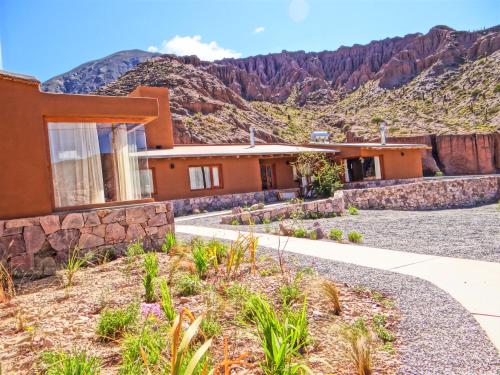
(397, 164)
(25, 174)
(284, 173)
(239, 175)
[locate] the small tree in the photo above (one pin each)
(324, 174)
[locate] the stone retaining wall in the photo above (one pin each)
(322, 207)
(221, 202)
(428, 195)
(379, 183)
(36, 245)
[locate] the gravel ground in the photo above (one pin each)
(472, 233)
(438, 336)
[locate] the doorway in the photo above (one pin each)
(268, 176)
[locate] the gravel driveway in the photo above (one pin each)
(472, 233)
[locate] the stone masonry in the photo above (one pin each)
(428, 194)
(325, 207)
(37, 245)
(220, 202)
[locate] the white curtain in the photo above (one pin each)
(215, 175)
(196, 178)
(76, 164)
(128, 180)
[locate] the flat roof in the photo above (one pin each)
(191, 151)
(380, 145)
(19, 77)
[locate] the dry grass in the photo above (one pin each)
(7, 290)
(360, 354)
(332, 293)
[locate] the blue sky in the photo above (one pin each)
(47, 37)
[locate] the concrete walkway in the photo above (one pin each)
(475, 284)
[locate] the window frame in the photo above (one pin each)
(210, 167)
(55, 208)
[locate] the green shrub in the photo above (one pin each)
(74, 363)
(200, 258)
(113, 322)
(299, 233)
(188, 285)
(237, 292)
(379, 326)
(166, 301)
(439, 174)
(151, 271)
(169, 242)
(235, 222)
(151, 341)
(282, 337)
(497, 88)
(135, 249)
(289, 293)
(210, 327)
(313, 235)
(353, 210)
(336, 234)
(297, 215)
(355, 237)
(266, 221)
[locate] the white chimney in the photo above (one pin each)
(252, 137)
(382, 132)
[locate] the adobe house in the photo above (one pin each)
(69, 152)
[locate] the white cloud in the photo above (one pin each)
(298, 10)
(192, 45)
(259, 29)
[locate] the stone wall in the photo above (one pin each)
(221, 202)
(37, 245)
(379, 183)
(428, 194)
(322, 207)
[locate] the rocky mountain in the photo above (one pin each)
(441, 82)
(93, 74)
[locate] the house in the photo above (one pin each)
(74, 152)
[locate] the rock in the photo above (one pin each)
(158, 220)
(50, 223)
(88, 240)
(150, 231)
(12, 246)
(23, 262)
(236, 210)
(113, 216)
(246, 217)
(46, 266)
(64, 239)
(73, 221)
(320, 234)
(196, 211)
(19, 223)
(135, 215)
(34, 238)
(114, 233)
(2, 226)
(261, 206)
(91, 219)
(134, 232)
(254, 207)
(160, 208)
(99, 230)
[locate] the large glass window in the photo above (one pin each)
(96, 163)
(205, 177)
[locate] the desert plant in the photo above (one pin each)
(289, 293)
(355, 237)
(439, 174)
(169, 242)
(353, 210)
(235, 222)
(336, 234)
(332, 293)
(151, 271)
(236, 255)
(7, 290)
(251, 244)
(217, 252)
(360, 354)
(188, 285)
(379, 326)
(134, 249)
(200, 258)
(281, 339)
(313, 235)
(166, 301)
(73, 363)
(74, 263)
(266, 221)
(142, 350)
(113, 323)
(210, 327)
(299, 233)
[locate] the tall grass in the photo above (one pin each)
(7, 290)
(113, 323)
(74, 363)
(169, 242)
(201, 258)
(151, 271)
(332, 293)
(166, 301)
(74, 263)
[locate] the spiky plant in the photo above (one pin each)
(151, 271)
(332, 293)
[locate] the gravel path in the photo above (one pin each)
(472, 233)
(438, 335)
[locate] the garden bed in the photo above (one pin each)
(49, 316)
